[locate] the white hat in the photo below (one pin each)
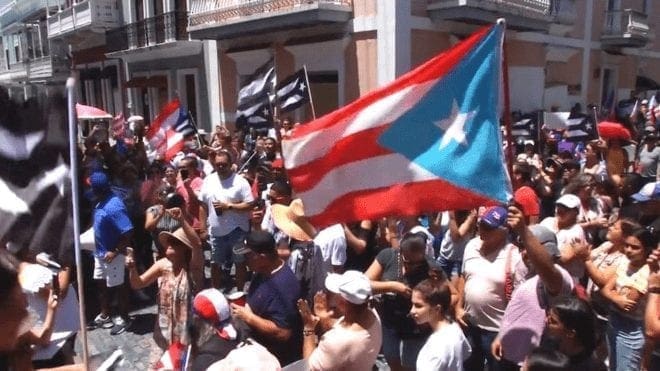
(353, 286)
(569, 200)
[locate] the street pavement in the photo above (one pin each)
(135, 343)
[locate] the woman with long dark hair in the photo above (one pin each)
(393, 274)
(627, 292)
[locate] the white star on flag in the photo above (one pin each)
(302, 86)
(454, 125)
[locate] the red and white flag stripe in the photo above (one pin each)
(165, 135)
(368, 176)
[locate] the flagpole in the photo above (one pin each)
(507, 102)
(309, 92)
(73, 154)
(272, 95)
(194, 125)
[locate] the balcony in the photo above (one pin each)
(625, 29)
(521, 15)
(94, 16)
(37, 70)
(227, 19)
(19, 11)
(161, 29)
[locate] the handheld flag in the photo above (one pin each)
(254, 97)
(293, 91)
(118, 127)
(428, 141)
(168, 131)
(580, 129)
(90, 113)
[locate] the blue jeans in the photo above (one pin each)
(405, 350)
(222, 253)
(625, 337)
(480, 341)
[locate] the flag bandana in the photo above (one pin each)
(293, 92)
(429, 141)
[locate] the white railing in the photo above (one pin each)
(626, 23)
(218, 11)
(96, 14)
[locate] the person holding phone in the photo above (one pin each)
(189, 185)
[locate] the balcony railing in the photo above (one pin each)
(19, 10)
(209, 12)
(626, 24)
(94, 15)
(520, 14)
(524, 6)
(160, 29)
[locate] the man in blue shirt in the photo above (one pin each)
(113, 231)
(271, 311)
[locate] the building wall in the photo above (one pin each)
(425, 44)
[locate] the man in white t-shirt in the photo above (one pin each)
(570, 236)
(225, 201)
(486, 284)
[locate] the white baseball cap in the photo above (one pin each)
(352, 285)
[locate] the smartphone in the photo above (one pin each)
(184, 173)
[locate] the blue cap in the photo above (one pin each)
(99, 181)
(494, 216)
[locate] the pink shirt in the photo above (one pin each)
(524, 317)
(192, 205)
(344, 349)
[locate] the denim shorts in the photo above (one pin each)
(222, 248)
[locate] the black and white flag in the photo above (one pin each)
(258, 115)
(259, 85)
(580, 129)
(293, 91)
(526, 128)
(254, 97)
(35, 210)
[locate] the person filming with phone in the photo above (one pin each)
(188, 185)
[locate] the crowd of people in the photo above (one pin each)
(564, 277)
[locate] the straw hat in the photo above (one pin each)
(179, 234)
(292, 221)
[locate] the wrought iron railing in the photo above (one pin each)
(218, 11)
(151, 31)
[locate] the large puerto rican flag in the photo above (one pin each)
(429, 141)
(167, 132)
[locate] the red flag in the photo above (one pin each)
(167, 132)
